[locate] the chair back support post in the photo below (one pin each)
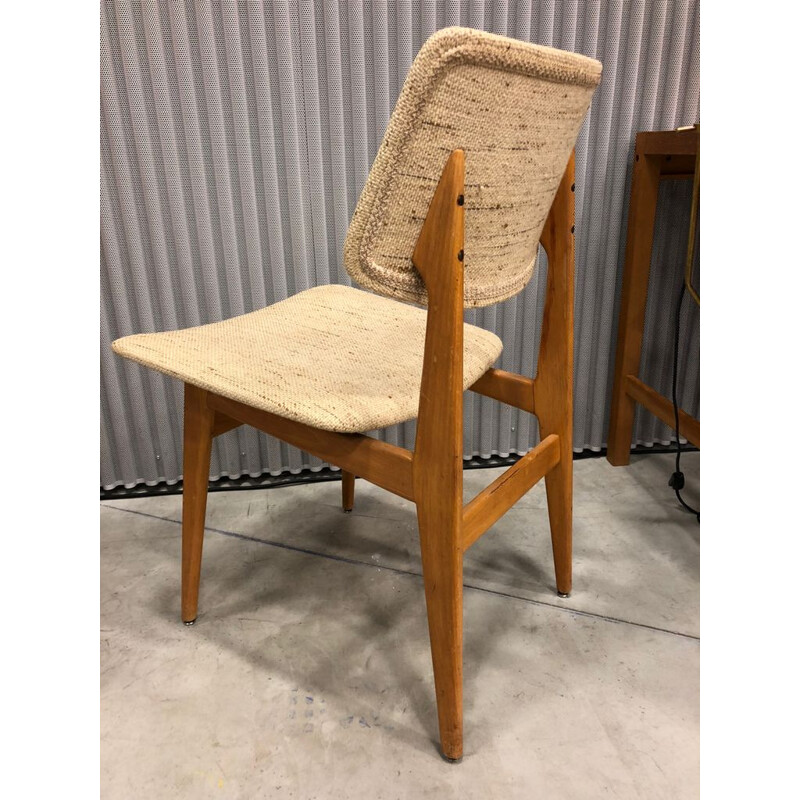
(438, 256)
(556, 348)
(553, 382)
(438, 466)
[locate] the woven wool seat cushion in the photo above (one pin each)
(332, 357)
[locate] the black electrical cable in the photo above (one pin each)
(677, 480)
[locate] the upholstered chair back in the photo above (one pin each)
(515, 109)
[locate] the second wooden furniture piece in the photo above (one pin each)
(475, 168)
(658, 155)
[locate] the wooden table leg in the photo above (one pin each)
(641, 223)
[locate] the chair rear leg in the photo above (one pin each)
(558, 483)
(442, 572)
(553, 384)
(555, 416)
(348, 490)
(198, 421)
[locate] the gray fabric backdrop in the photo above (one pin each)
(236, 138)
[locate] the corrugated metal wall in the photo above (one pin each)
(236, 138)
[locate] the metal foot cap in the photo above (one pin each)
(564, 594)
(190, 622)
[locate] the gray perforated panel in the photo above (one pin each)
(236, 138)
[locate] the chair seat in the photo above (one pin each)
(332, 357)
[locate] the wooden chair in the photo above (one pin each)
(475, 168)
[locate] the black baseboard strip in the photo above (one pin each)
(267, 481)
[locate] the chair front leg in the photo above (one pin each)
(439, 533)
(198, 423)
(438, 464)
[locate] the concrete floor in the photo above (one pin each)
(308, 673)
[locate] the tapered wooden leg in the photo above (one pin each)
(438, 464)
(442, 573)
(555, 416)
(553, 384)
(198, 421)
(633, 303)
(348, 490)
(558, 483)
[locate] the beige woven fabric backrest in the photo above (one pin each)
(515, 109)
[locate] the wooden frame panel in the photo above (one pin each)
(659, 405)
(223, 424)
(657, 155)
(499, 496)
(381, 463)
(669, 143)
(432, 476)
(507, 387)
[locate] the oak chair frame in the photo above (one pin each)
(431, 476)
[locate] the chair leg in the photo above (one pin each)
(558, 483)
(555, 416)
(198, 422)
(442, 571)
(553, 385)
(348, 490)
